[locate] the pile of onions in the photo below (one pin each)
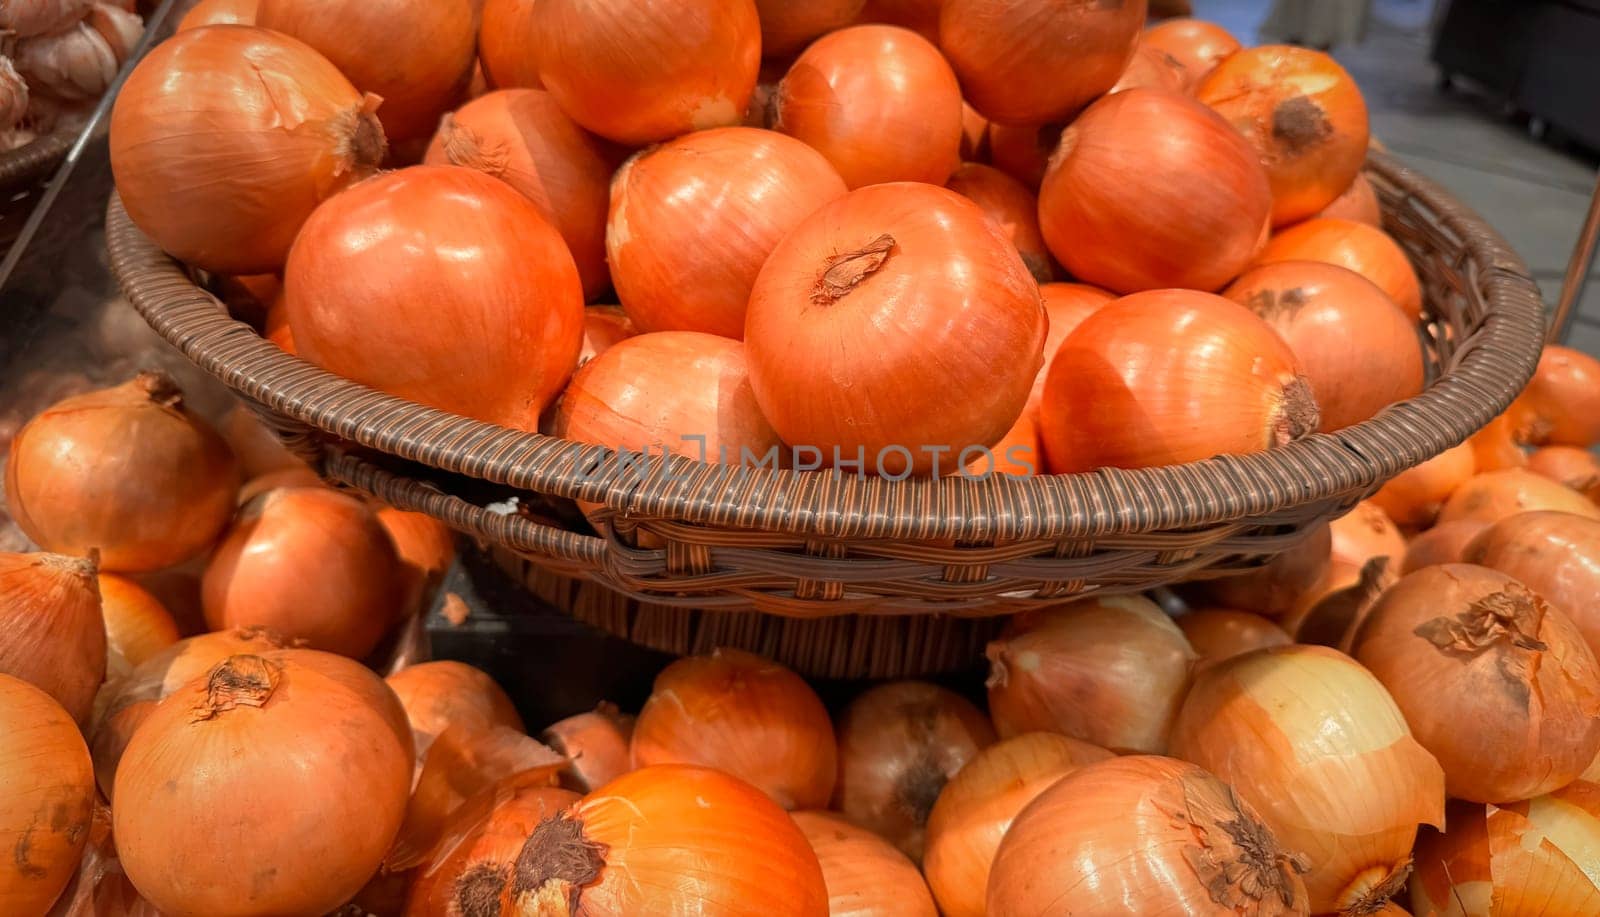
(850, 304)
(1359, 202)
(207, 824)
(1012, 206)
(137, 625)
(596, 746)
(1032, 61)
(1151, 836)
(1299, 732)
(284, 131)
(441, 285)
(864, 873)
(1500, 686)
(1365, 249)
(1496, 495)
(1216, 634)
(219, 12)
(1415, 496)
(693, 220)
(47, 800)
(1577, 468)
(1358, 351)
(438, 695)
(425, 546)
(1364, 533)
(1110, 670)
(311, 563)
(127, 471)
(670, 839)
(521, 137)
(1303, 114)
(505, 45)
(878, 101)
(1274, 589)
(1557, 555)
(1561, 406)
(898, 745)
(1442, 544)
(1127, 214)
(787, 26)
(638, 72)
(977, 806)
(1195, 44)
(745, 716)
(1171, 376)
(1023, 151)
(50, 629)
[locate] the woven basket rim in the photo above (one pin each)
(1481, 381)
(36, 159)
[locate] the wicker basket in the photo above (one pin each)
(23, 174)
(867, 577)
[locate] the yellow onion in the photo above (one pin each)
(1494, 495)
(866, 876)
(1415, 496)
(46, 798)
(1216, 634)
(1110, 670)
(1557, 555)
(1364, 533)
(426, 548)
(1443, 544)
(1318, 747)
(50, 628)
(595, 745)
(1334, 618)
(438, 695)
(1275, 588)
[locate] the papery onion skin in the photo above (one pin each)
(137, 625)
(283, 129)
(643, 72)
(978, 805)
(425, 547)
(879, 102)
(1274, 589)
(604, 326)
(1216, 634)
(46, 798)
(51, 634)
(1196, 44)
(1152, 68)
(479, 310)
(789, 25)
(1496, 495)
(1359, 202)
(1561, 406)
(1367, 250)
(693, 220)
(219, 12)
(1557, 555)
(1146, 835)
(443, 693)
(1128, 215)
(1012, 206)
(1577, 468)
(1023, 151)
(1364, 533)
(1110, 671)
(505, 45)
(1442, 544)
(866, 876)
(1415, 496)
(596, 745)
(1463, 650)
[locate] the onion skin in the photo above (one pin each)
(596, 746)
(1012, 206)
(505, 45)
(492, 337)
(1274, 589)
(1152, 68)
(789, 25)
(219, 12)
(604, 326)
(1416, 495)
(137, 625)
(1557, 555)
(1367, 250)
(1152, 836)
(1216, 634)
(900, 117)
(1442, 544)
(444, 693)
(46, 797)
(426, 548)
(1577, 468)
(866, 876)
(51, 634)
(1561, 406)
(1359, 202)
(1458, 644)
(280, 121)
(638, 73)
(1066, 305)
(1496, 495)
(1197, 45)
(692, 221)
(980, 802)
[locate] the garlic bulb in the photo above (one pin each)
(27, 18)
(13, 95)
(80, 62)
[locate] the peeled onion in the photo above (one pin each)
(1577, 468)
(789, 25)
(1561, 406)
(1359, 202)
(1365, 249)
(1196, 44)
(1557, 555)
(51, 634)
(596, 746)
(1275, 589)
(1415, 496)
(1216, 634)
(444, 693)
(864, 873)
(219, 12)
(1495, 495)
(137, 625)
(1442, 544)
(1010, 205)
(505, 45)
(46, 797)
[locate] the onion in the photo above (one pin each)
(1017, 453)
(441, 285)
(1442, 544)
(284, 131)
(1010, 205)
(47, 800)
(1032, 61)
(1497, 684)
(1302, 113)
(128, 471)
(1334, 617)
(789, 25)
(505, 45)
(1023, 152)
(219, 12)
(670, 839)
(1300, 732)
(978, 805)
(1066, 305)
(1274, 589)
(879, 102)
(1110, 670)
(1143, 835)
(1561, 406)
(1364, 533)
(278, 480)
(920, 16)
(1415, 496)
(276, 327)
(1577, 468)
(1367, 250)
(1216, 634)
(1152, 68)
(137, 625)
(638, 72)
(310, 563)
(850, 304)
(1557, 555)
(26, 18)
(438, 695)
(693, 220)
(257, 448)
(1129, 215)
(80, 63)
(1359, 352)
(1359, 202)
(596, 746)
(1495, 495)
(866, 876)
(603, 326)
(1496, 447)
(1171, 376)
(898, 745)
(50, 630)
(426, 548)
(206, 824)
(745, 716)
(100, 888)
(1196, 44)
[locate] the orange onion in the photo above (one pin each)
(505, 45)
(745, 716)
(257, 448)
(1561, 406)
(1358, 351)
(284, 131)
(207, 824)
(1442, 544)
(1359, 202)
(596, 746)
(978, 805)
(311, 563)
(899, 743)
(1498, 445)
(425, 547)
(1364, 533)
(1152, 68)
(1017, 453)
(46, 797)
(603, 326)
(1495, 495)
(1110, 670)
(788, 25)
(1129, 215)
(1023, 151)
(1577, 468)
(51, 634)
(1275, 588)
(1500, 686)
(1196, 44)
(1299, 732)
(137, 625)
(276, 328)
(1032, 61)
(1216, 634)
(1367, 250)
(276, 480)
(866, 876)
(1066, 305)
(1010, 205)
(1557, 555)
(219, 12)
(669, 839)
(441, 285)
(128, 471)
(1415, 496)
(896, 271)
(1143, 835)
(642, 72)
(878, 101)
(521, 137)
(920, 16)
(444, 693)
(1170, 376)
(692, 221)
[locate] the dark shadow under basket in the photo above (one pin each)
(857, 576)
(24, 172)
